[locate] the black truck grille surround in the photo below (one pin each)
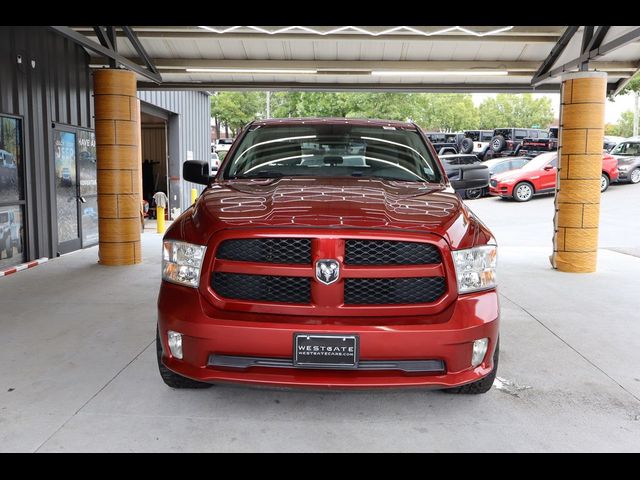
(267, 250)
(262, 287)
(379, 259)
(385, 252)
(393, 291)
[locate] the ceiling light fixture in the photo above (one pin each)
(354, 29)
(444, 73)
(254, 71)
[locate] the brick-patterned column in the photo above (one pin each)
(577, 201)
(117, 111)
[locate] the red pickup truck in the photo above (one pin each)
(329, 253)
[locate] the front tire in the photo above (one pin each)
(172, 379)
(484, 384)
(473, 193)
(604, 183)
(523, 192)
(634, 176)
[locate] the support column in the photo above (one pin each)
(117, 114)
(577, 201)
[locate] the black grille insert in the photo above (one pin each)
(267, 250)
(392, 291)
(386, 252)
(262, 287)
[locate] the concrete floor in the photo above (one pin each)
(78, 369)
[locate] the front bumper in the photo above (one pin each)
(501, 190)
(472, 316)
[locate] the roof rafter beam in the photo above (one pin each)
(366, 87)
(135, 42)
(614, 44)
(597, 39)
(104, 40)
(339, 66)
(556, 51)
(96, 47)
(620, 84)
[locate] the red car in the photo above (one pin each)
(328, 253)
(539, 176)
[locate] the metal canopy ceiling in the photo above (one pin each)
(372, 58)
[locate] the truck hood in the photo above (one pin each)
(334, 203)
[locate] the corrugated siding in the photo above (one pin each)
(194, 130)
(52, 84)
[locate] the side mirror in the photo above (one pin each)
(470, 176)
(196, 171)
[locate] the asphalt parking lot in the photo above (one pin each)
(78, 369)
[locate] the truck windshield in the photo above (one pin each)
(328, 150)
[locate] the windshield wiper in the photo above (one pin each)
(393, 179)
(263, 174)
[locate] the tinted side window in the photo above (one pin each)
(501, 167)
(519, 163)
(520, 134)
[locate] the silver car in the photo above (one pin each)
(627, 153)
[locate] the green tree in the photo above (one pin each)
(391, 106)
(509, 110)
(236, 109)
(445, 111)
(624, 127)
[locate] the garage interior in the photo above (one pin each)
(155, 159)
(80, 355)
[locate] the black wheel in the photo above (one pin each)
(484, 384)
(473, 193)
(466, 145)
(604, 182)
(634, 176)
(173, 379)
(498, 143)
(523, 192)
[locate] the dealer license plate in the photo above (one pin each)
(325, 351)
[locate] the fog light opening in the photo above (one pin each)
(479, 351)
(175, 344)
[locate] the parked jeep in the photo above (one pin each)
(477, 142)
(444, 143)
(534, 146)
(506, 142)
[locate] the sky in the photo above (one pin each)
(613, 110)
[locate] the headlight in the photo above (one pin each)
(182, 262)
(476, 268)
(623, 168)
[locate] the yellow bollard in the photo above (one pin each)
(194, 195)
(160, 219)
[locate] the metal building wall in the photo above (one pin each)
(52, 85)
(193, 122)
